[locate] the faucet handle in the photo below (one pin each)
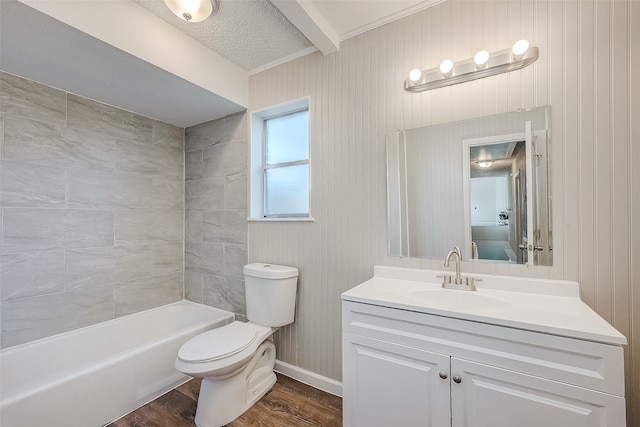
(446, 279)
(471, 282)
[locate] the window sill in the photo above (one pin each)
(290, 219)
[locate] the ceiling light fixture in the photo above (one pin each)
(483, 64)
(193, 10)
(484, 164)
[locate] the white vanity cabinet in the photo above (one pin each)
(386, 384)
(490, 396)
(409, 368)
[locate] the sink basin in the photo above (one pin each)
(459, 300)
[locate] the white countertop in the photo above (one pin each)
(547, 306)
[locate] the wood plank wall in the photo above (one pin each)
(588, 71)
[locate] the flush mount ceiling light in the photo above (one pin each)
(193, 10)
(484, 164)
(484, 64)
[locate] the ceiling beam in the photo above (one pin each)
(306, 17)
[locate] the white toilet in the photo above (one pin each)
(236, 361)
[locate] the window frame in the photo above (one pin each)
(258, 161)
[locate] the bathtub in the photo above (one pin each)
(94, 375)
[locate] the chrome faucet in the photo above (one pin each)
(469, 284)
(455, 251)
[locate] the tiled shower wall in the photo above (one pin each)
(216, 212)
(92, 202)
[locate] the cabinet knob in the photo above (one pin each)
(457, 379)
(443, 375)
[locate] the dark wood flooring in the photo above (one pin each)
(289, 404)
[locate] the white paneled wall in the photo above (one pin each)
(587, 72)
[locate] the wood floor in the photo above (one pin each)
(288, 404)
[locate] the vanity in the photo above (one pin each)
(516, 352)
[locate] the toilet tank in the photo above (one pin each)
(270, 293)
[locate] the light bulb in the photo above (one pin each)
(415, 75)
(484, 164)
(446, 67)
(520, 48)
(191, 5)
(193, 10)
(481, 58)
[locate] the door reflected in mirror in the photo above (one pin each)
(481, 184)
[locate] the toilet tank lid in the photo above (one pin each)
(269, 271)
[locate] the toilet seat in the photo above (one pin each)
(222, 366)
(218, 343)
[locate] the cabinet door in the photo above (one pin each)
(487, 396)
(386, 384)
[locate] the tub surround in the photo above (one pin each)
(216, 212)
(91, 204)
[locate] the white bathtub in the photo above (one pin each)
(94, 375)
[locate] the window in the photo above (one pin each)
(280, 162)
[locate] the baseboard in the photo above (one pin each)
(318, 381)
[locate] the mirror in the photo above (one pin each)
(481, 184)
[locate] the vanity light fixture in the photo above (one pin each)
(193, 10)
(483, 64)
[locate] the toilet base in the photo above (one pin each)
(222, 401)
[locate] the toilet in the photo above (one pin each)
(236, 361)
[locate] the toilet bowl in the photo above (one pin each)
(236, 361)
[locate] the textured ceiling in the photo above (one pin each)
(249, 33)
